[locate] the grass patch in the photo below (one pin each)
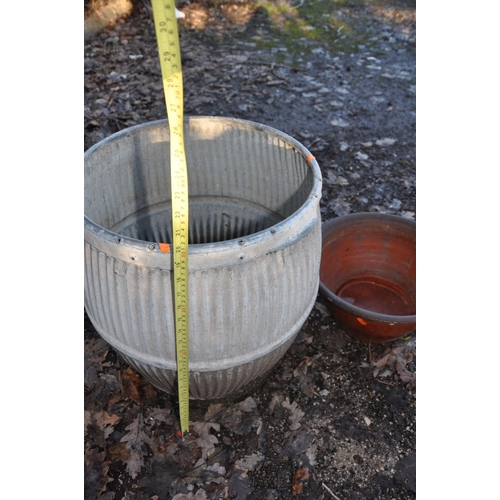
(337, 25)
(297, 27)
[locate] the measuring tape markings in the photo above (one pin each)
(170, 62)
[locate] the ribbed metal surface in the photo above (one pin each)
(253, 259)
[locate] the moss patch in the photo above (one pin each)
(337, 25)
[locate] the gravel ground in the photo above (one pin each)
(334, 419)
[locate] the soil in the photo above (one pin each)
(335, 418)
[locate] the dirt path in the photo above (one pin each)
(332, 420)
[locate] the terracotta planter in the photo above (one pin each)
(368, 275)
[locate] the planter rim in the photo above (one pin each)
(231, 249)
(363, 216)
(346, 306)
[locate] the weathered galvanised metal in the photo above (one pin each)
(254, 253)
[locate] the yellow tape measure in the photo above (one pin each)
(169, 50)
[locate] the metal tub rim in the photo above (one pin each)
(232, 250)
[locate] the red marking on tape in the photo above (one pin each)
(164, 247)
(310, 158)
(362, 321)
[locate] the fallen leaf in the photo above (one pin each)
(296, 413)
(118, 452)
(160, 415)
(164, 479)
(240, 418)
(250, 462)
(297, 488)
(99, 425)
(132, 385)
(187, 451)
(297, 443)
(95, 473)
(109, 495)
(228, 415)
(136, 388)
(301, 475)
(214, 411)
(300, 372)
(206, 440)
(238, 484)
(90, 375)
(248, 405)
(109, 383)
(340, 207)
(219, 470)
(323, 309)
(277, 399)
(136, 440)
(199, 495)
(96, 350)
(396, 360)
(311, 454)
(204, 473)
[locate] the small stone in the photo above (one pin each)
(385, 142)
(361, 156)
(338, 122)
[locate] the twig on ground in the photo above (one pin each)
(358, 192)
(330, 491)
(313, 142)
(385, 383)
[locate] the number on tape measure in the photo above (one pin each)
(167, 37)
